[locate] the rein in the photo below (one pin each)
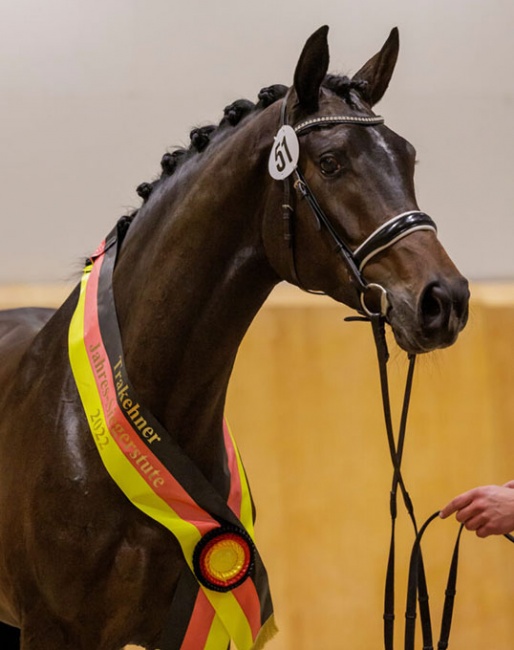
(417, 591)
(283, 165)
(383, 237)
(417, 585)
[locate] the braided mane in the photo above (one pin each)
(233, 114)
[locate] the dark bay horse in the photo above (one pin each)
(80, 567)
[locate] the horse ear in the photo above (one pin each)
(377, 72)
(311, 69)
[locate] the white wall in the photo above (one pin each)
(92, 92)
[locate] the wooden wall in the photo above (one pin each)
(304, 404)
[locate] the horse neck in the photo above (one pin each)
(186, 296)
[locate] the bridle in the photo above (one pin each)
(384, 236)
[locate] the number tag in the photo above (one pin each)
(284, 154)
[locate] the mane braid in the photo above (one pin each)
(342, 86)
(200, 137)
(170, 160)
(235, 112)
(144, 190)
(271, 94)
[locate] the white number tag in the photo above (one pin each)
(284, 154)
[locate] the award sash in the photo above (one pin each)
(223, 593)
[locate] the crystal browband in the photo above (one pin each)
(329, 120)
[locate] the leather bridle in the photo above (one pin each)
(384, 236)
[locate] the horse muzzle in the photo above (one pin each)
(432, 321)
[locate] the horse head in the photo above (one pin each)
(359, 176)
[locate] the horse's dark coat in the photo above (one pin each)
(80, 568)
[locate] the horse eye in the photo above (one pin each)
(329, 165)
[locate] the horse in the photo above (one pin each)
(80, 566)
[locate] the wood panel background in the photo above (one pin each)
(304, 403)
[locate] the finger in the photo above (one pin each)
(448, 510)
(458, 503)
(485, 531)
(476, 523)
(468, 513)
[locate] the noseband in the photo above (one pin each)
(386, 235)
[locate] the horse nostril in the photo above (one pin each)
(435, 307)
(461, 301)
(443, 309)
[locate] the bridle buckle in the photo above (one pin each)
(382, 298)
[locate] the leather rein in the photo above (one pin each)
(416, 585)
(384, 236)
(417, 591)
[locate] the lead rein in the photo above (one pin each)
(396, 453)
(417, 585)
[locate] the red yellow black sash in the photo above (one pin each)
(223, 593)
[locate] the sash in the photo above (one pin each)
(223, 592)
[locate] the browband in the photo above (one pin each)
(330, 120)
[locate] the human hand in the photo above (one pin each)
(487, 510)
